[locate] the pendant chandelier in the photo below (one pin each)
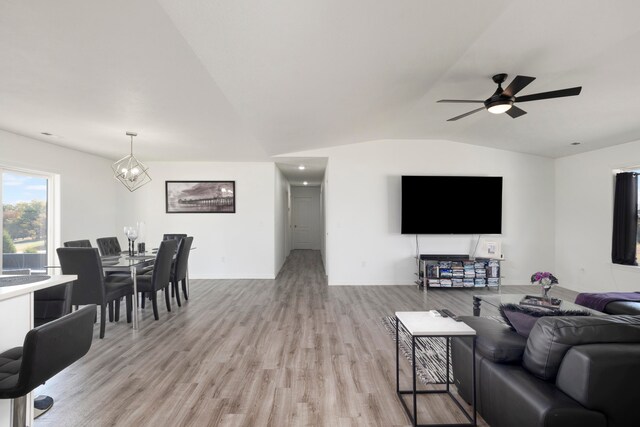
(130, 171)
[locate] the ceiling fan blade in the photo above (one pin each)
(515, 112)
(553, 94)
(460, 100)
(519, 83)
(465, 114)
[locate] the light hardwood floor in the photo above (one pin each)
(285, 352)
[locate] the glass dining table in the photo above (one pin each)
(129, 264)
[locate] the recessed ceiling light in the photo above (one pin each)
(49, 134)
(575, 143)
(305, 183)
(302, 167)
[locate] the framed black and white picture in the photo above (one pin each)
(201, 196)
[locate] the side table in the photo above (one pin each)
(421, 324)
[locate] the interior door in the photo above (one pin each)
(303, 233)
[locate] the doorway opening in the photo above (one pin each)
(305, 197)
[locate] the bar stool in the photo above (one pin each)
(47, 350)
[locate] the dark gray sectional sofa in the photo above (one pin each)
(571, 371)
(623, 307)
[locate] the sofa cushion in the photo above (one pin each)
(552, 337)
(496, 341)
(522, 318)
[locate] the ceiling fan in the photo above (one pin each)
(503, 99)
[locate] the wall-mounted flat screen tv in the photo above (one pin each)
(451, 205)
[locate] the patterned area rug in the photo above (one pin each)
(431, 354)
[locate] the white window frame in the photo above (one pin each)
(53, 208)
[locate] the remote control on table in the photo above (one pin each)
(448, 312)
(445, 312)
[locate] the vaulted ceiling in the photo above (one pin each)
(236, 80)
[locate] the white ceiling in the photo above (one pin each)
(244, 80)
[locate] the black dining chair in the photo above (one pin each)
(92, 287)
(109, 246)
(173, 236)
(179, 268)
(77, 244)
(52, 303)
(47, 350)
(160, 277)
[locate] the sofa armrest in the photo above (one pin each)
(496, 341)
(604, 378)
(623, 307)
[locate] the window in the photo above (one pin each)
(26, 222)
(638, 223)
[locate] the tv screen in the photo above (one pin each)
(451, 205)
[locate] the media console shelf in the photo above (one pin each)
(457, 271)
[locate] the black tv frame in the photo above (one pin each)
(441, 204)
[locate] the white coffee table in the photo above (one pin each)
(421, 324)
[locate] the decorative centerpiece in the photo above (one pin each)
(546, 280)
(132, 235)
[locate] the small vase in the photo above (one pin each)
(545, 292)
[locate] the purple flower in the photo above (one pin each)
(544, 278)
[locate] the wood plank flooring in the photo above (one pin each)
(285, 352)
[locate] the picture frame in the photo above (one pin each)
(200, 196)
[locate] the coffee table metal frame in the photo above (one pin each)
(413, 415)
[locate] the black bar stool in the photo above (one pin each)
(47, 350)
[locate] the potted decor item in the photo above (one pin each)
(546, 280)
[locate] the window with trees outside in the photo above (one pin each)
(26, 222)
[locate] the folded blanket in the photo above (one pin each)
(599, 301)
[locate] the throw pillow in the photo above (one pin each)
(521, 318)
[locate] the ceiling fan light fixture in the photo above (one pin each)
(499, 107)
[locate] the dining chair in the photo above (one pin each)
(160, 277)
(77, 244)
(108, 246)
(51, 303)
(92, 287)
(173, 236)
(179, 268)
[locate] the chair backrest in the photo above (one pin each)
(77, 244)
(52, 303)
(161, 275)
(87, 265)
(108, 246)
(182, 259)
(50, 348)
(173, 236)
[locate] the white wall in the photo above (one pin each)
(364, 244)
(89, 195)
(239, 245)
(281, 231)
(584, 220)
